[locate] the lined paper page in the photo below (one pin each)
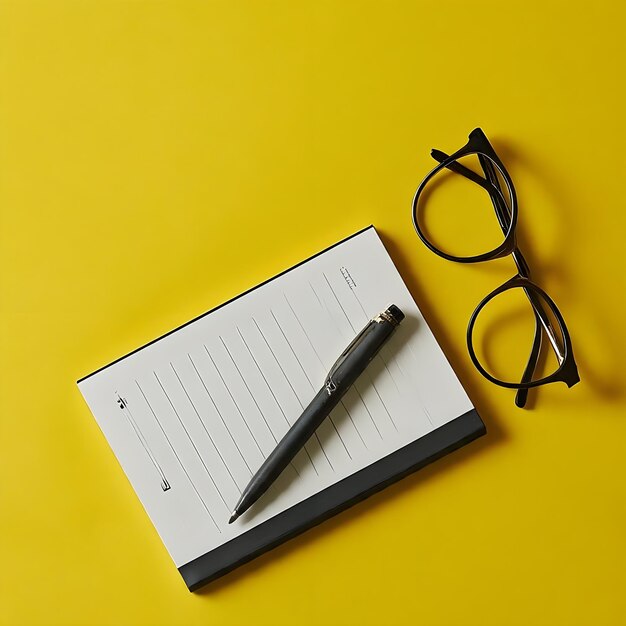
(193, 415)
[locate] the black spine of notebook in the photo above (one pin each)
(332, 500)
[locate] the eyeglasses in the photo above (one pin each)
(548, 321)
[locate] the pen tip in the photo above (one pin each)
(233, 517)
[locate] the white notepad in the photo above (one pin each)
(192, 415)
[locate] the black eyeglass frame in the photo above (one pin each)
(506, 214)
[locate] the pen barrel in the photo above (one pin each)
(292, 442)
(343, 376)
(359, 354)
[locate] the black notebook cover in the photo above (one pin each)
(333, 500)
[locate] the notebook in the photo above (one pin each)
(192, 415)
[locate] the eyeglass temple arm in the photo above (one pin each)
(522, 394)
(522, 266)
(503, 212)
(492, 186)
(542, 320)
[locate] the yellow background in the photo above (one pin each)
(157, 158)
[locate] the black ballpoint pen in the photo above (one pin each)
(350, 364)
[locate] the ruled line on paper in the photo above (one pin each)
(190, 439)
(308, 378)
(320, 360)
(379, 355)
(422, 404)
(301, 404)
(417, 393)
(243, 458)
(408, 381)
(182, 466)
(243, 380)
(269, 387)
(354, 386)
(205, 428)
(123, 404)
(234, 401)
(306, 334)
(288, 382)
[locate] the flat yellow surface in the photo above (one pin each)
(157, 158)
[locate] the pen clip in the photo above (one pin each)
(330, 384)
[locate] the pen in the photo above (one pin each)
(347, 368)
